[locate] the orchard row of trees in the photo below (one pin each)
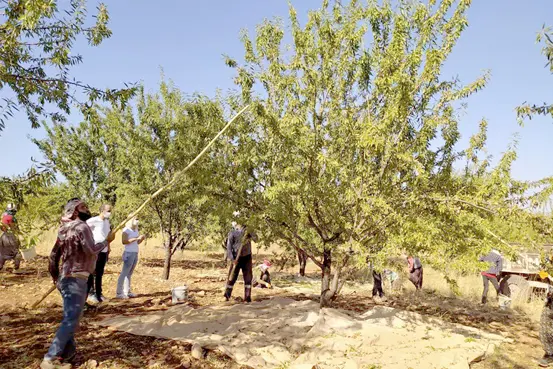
(350, 149)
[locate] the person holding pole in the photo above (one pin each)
(492, 274)
(101, 230)
(131, 238)
(239, 251)
(77, 252)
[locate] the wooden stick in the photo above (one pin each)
(33, 306)
(158, 192)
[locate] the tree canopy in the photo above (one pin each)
(36, 59)
(353, 150)
(122, 157)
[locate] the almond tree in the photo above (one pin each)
(352, 148)
(124, 156)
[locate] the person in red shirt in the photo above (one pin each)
(9, 242)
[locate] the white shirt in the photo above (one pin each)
(100, 229)
(131, 233)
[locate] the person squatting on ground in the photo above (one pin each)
(546, 330)
(101, 230)
(415, 271)
(241, 260)
(131, 239)
(9, 242)
(264, 277)
(77, 252)
(492, 274)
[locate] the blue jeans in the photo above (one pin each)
(130, 259)
(73, 292)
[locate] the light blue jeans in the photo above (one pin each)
(73, 292)
(124, 282)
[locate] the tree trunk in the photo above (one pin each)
(167, 262)
(302, 258)
(326, 293)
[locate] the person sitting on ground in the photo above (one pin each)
(101, 230)
(9, 242)
(131, 239)
(241, 257)
(415, 271)
(264, 277)
(77, 252)
(493, 273)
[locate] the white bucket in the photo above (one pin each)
(29, 254)
(179, 294)
(504, 302)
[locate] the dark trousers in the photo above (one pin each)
(95, 280)
(416, 278)
(487, 281)
(16, 261)
(244, 264)
(377, 284)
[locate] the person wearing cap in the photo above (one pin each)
(101, 230)
(492, 274)
(264, 277)
(241, 257)
(9, 242)
(77, 252)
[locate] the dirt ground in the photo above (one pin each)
(25, 334)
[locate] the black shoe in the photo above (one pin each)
(546, 361)
(70, 358)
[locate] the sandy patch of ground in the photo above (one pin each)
(281, 331)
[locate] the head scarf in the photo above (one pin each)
(70, 211)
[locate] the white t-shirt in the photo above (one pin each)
(100, 229)
(131, 233)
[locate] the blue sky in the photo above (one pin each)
(187, 39)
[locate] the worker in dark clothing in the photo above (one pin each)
(415, 271)
(241, 257)
(546, 331)
(495, 260)
(377, 285)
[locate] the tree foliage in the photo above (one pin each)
(38, 199)
(36, 59)
(530, 110)
(124, 156)
(352, 150)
